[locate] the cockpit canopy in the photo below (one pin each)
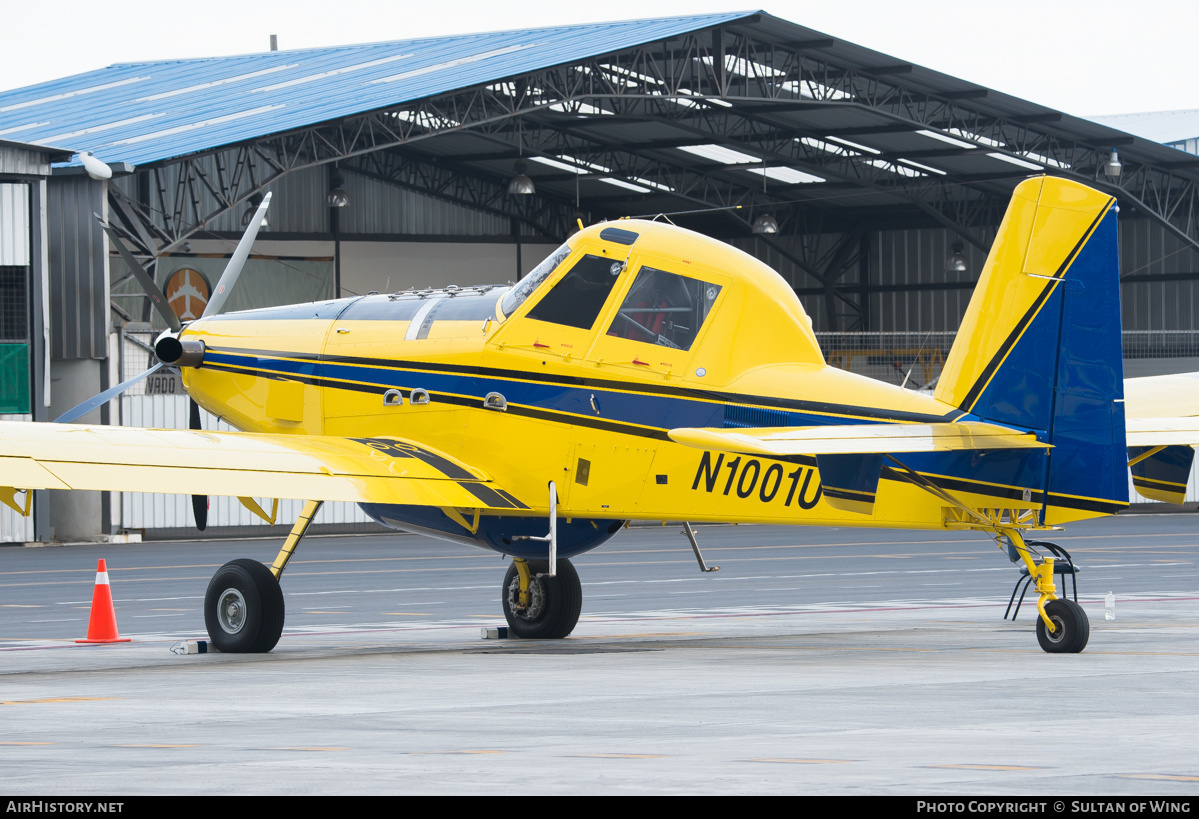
(657, 285)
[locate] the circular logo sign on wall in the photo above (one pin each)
(187, 292)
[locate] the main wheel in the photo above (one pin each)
(243, 608)
(554, 602)
(1071, 628)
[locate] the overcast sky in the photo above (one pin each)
(1085, 58)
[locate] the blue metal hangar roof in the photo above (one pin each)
(141, 113)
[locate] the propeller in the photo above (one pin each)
(157, 297)
(199, 502)
(104, 397)
(228, 278)
(237, 261)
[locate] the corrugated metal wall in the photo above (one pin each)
(14, 224)
(1148, 249)
(140, 510)
(901, 261)
(376, 208)
(26, 163)
(78, 268)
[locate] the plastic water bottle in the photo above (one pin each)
(1109, 607)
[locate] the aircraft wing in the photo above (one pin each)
(857, 439)
(1175, 431)
(307, 467)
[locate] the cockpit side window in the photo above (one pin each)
(579, 296)
(664, 309)
(525, 287)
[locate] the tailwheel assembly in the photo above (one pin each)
(1071, 628)
(540, 606)
(243, 608)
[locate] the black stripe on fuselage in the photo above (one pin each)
(795, 404)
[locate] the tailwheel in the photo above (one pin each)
(243, 608)
(553, 605)
(1071, 628)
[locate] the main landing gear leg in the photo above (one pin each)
(243, 608)
(1062, 625)
(542, 599)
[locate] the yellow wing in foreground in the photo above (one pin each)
(362, 470)
(857, 439)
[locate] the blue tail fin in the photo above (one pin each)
(1040, 345)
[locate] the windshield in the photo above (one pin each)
(525, 287)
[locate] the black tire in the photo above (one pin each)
(252, 617)
(555, 605)
(1071, 626)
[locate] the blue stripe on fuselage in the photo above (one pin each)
(1015, 468)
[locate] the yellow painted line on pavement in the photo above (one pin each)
(306, 748)
(989, 767)
(801, 761)
(622, 756)
(438, 753)
(152, 745)
(1166, 777)
(57, 699)
(28, 743)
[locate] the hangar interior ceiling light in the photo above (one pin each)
(828, 147)
(337, 196)
(857, 145)
(922, 166)
(788, 176)
(1112, 168)
(562, 166)
(948, 140)
(719, 153)
(766, 225)
(956, 263)
(1019, 163)
(255, 201)
(521, 184)
(979, 138)
(900, 170)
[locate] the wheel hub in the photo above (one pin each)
(1059, 631)
(536, 599)
(231, 611)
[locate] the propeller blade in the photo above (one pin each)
(232, 270)
(157, 298)
(199, 502)
(104, 397)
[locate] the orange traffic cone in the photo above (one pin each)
(102, 625)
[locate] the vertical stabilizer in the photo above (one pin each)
(1040, 348)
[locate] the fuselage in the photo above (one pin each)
(576, 374)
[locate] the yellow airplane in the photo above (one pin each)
(641, 372)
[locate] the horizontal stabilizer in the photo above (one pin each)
(194, 462)
(857, 439)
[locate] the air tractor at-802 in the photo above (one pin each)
(646, 372)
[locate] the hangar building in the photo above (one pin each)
(874, 186)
